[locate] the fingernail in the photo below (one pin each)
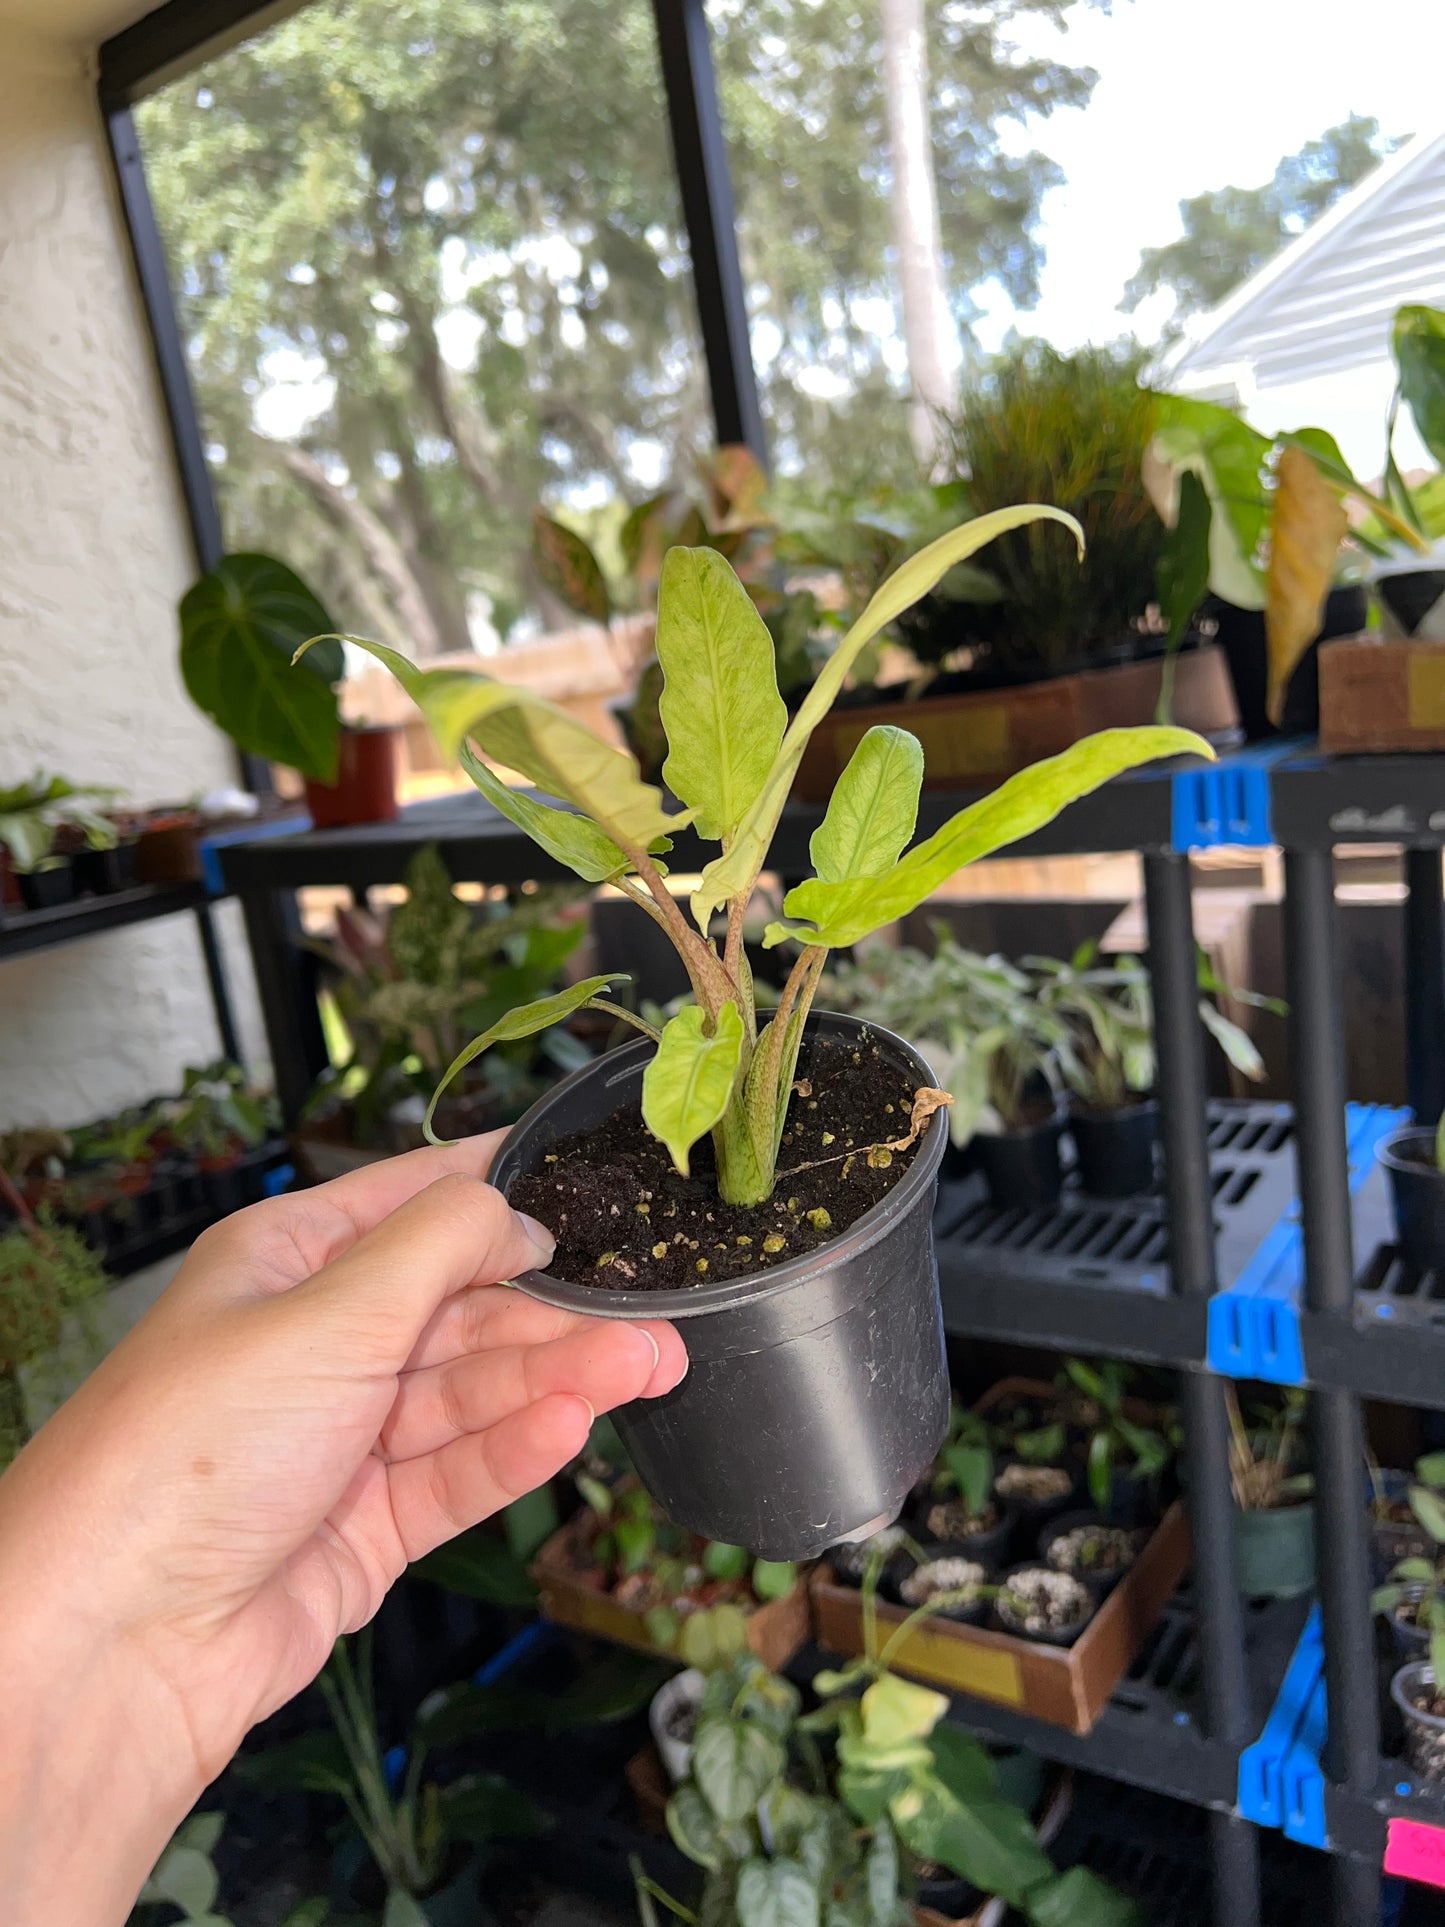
(656, 1348)
(539, 1237)
(590, 1407)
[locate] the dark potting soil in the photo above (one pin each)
(625, 1220)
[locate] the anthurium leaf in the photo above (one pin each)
(1419, 343)
(734, 1762)
(693, 1828)
(1308, 525)
(686, 1086)
(525, 1021)
(776, 1893)
(873, 809)
(734, 872)
(240, 626)
(1080, 1898)
(842, 913)
(988, 1842)
(572, 840)
(1228, 456)
(566, 565)
(896, 1710)
(720, 704)
(1182, 572)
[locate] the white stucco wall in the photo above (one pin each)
(94, 552)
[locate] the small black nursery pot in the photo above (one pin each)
(1022, 1167)
(817, 1392)
(1417, 1186)
(1116, 1148)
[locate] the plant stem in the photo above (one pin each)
(711, 983)
(627, 1016)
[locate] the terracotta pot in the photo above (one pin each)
(365, 786)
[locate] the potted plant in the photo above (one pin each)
(44, 823)
(960, 1509)
(1040, 1602)
(1422, 1708)
(848, 1808)
(47, 1271)
(1395, 1532)
(1413, 1597)
(216, 1121)
(1124, 1456)
(240, 626)
(1414, 1162)
(814, 1138)
(1090, 1548)
(1274, 1520)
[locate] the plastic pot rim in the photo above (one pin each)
(1390, 1153)
(702, 1301)
(1418, 1670)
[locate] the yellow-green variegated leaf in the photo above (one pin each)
(687, 1085)
(720, 704)
(572, 840)
(873, 808)
(525, 1021)
(843, 913)
(567, 566)
(542, 742)
(735, 871)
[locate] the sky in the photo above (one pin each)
(1197, 94)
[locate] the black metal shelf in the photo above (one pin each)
(23, 932)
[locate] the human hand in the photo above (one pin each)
(333, 1384)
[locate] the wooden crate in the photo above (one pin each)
(1381, 695)
(566, 1594)
(1065, 1685)
(977, 737)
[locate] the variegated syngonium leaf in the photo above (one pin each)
(720, 704)
(735, 871)
(525, 733)
(525, 1021)
(873, 808)
(844, 911)
(687, 1085)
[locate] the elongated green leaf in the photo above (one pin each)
(842, 913)
(311, 1763)
(1419, 343)
(240, 626)
(402, 1911)
(486, 1806)
(535, 738)
(1430, 1511)
(734, 1762)
(567, 566)
(734, 872)
(776, 1893)
(1079, 1898)
(873, 808)
(1228, 456)
(686, 1087)
(573, 840)
(1182, 572)
(720, 704)
(989, 1842)
(525, 1021)
(693, 1829)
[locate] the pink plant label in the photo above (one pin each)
(1416, 1851)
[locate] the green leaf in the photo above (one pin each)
(1419, 343)
(873, 809)
(402, 1911)
(971, 1468)
(734, 1762)
(185, 1877)
(895, 1710)
(720, 704)
(776, 1893)
(735, 871)
(241, 624)
(1229, 457)
(843, 913)
(693, 1828)
(572, 840)
(529, 1521)
(1430, 1511)
(567, 566)
(774, 1578)
(541, 742)
(1238, 1046)
(689, 1081)
(525, 1021)
(714, 1637)
(201, 1831)
(486, 1806)
(1430, 1470)
(1101, 1469)
(309, 1913)
(478, 1566)
(311, 1763)
(962, 1763)
(720, 1561)
(881, 1875)
(988, 1841)
(1080, 1898)
(1182, 571)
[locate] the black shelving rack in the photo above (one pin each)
(1268, 1255)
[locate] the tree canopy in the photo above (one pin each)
(431, 268)
(1229, 232)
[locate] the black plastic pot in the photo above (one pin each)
(1116, 1148)
(1045, 1635)
(104, 872)
(989, 1545)
(1023, 1169)
(1031, 1515)
(1411, 599)
(1241, 636)
(817, 1393)
(1099, 1582)
(1418, 1190)
(968, 1613)
(47, 889)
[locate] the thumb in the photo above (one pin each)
(374, 1301)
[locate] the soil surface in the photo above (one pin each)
(951, 1519)
(1033, 1485)
(624, 1219)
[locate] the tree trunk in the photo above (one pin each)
(928, 329)
(384, 555)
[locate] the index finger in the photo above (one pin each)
(373, 1191)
